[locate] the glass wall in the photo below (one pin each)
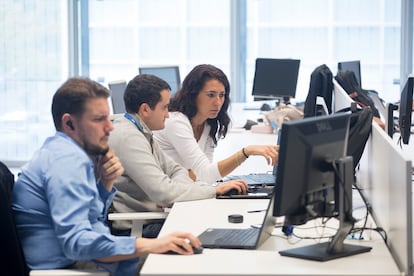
(157, 32)
(327, 32)
(33, 63)
(124, 35)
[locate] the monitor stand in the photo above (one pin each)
(389, 124)
(335, 248)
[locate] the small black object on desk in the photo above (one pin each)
(249, 123)
(235, 218)
(265, 107)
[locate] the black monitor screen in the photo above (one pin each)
(171, 74)
(353, 66)
(311, 155)
(275, 78)
(405, 110)
(117, 96)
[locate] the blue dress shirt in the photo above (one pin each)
(60, 210)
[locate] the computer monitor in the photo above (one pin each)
(275, 78)
(354, 66)
(171, 74)
(314, 179)
(117, 96)
(405, 110)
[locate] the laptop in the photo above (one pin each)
(237, 238)
(258, 179)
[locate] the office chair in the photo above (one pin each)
(13, 259)
(12, 256)
(321, 85)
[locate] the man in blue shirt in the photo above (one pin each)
(61, 198)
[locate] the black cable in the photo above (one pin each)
(348, 197)
(367, 206)
(354, 229)
(379, 230)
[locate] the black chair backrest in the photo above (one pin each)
(11, 258)
(321, 84)
(360, 127)
(349, 83)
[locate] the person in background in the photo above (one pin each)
(61, 198)
(198, 119)
(151, 180)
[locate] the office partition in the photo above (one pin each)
(384, 175)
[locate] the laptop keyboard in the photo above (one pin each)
(259, 178)
(237, 236)
(234, 237)
(256, 179)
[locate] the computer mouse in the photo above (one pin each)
(265, 107)
(249, 123)
(196, 250)
(231, 192)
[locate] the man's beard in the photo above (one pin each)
(94, 150)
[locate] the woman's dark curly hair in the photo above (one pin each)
(185, 100)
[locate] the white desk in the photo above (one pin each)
(196, 216)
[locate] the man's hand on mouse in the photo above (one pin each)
(238, 184)
(180, 242)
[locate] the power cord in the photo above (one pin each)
(379, 230)
(367, 206)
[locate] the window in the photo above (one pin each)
(157, 33)
(32, 66)
(327, 32)
(124, 35)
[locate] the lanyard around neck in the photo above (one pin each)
(130, 118)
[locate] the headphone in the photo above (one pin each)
(70, 125)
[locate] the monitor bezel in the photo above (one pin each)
(405, 110)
